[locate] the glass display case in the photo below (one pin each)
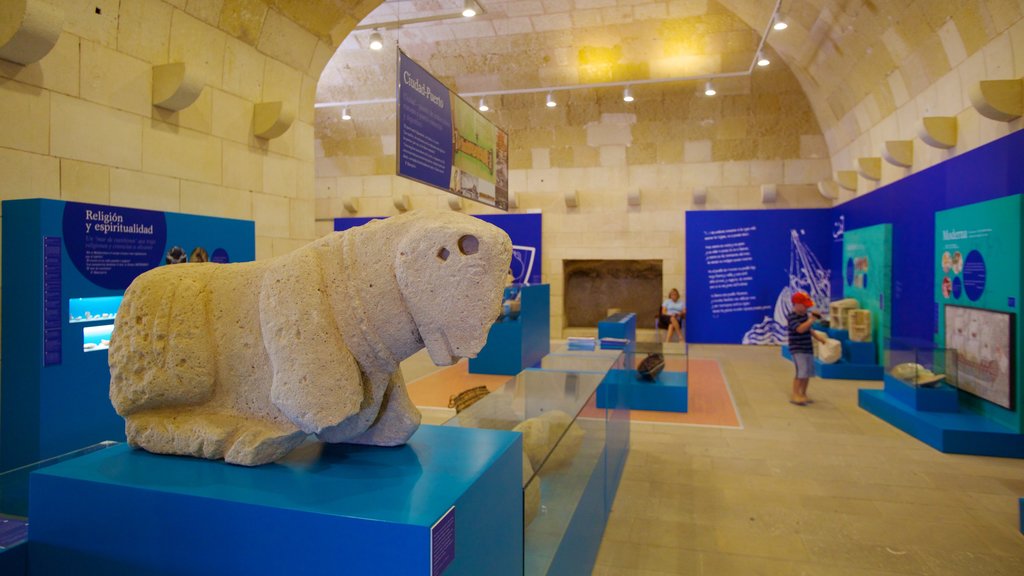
(573, 452)
(920, 363)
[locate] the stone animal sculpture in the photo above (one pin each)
(243, 361)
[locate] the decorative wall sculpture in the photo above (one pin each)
(243, 361)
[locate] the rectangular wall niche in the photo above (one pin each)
(592, 287)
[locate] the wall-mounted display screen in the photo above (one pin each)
(95, 338)
(93, 309)
(983, 340)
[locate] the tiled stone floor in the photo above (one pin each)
(826, 489)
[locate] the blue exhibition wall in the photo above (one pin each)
(525, 230)
(716, 314)
(742, 267)
(65, 267)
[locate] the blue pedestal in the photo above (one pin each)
(352, 510)
(841, 335)
(859, 352)
(622, 325)
(668, 393)
(512, 345)
(845, 371)
(14, 560)
(785, 352)
(942, 398)
(959, 433)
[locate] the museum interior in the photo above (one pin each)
(489, 287)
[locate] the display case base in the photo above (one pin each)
(845, 371)
(14, 560)
(668, 393)
(621, 325)
(860, 352)
(953, 433)
(941, 398)
(349, 509)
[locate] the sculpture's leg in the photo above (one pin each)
(316, 379)
(213, 436)
(398, 418)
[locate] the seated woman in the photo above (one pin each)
(673, 312)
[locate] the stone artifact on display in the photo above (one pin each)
(243, 361)
(859, 325)
(916, 374)
(828, 352)
(837, 312)
(551, 439)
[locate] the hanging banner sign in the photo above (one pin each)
(446, 143)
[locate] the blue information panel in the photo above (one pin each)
(743, 267)
(445, 143)
(65, 267)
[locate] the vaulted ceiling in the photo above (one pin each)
(852, 57)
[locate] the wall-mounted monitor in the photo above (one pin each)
(984, 344)
(93, 309)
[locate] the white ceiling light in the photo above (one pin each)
(376, 41)
(627, 94)
(762, 60)
(483, 107)
(550, 103)
(709, 90)
(345, 114)
(780, 24)
(469, 9)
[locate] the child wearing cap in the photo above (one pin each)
(800, 346)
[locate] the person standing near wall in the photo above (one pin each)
(801, 348)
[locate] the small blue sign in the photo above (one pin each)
(424, 126)
(442, 543)
(958, 287)
(849, 271)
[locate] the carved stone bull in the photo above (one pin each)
(243, 361)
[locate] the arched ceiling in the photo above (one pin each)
(852, 57)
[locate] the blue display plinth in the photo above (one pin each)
(860, 352)
(14, 560)
(512, 345)
(350, 510)
(845, 371)
(668, 393)
(621, 325)
(954, 433)
(941, 398)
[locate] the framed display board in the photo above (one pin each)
(984, 344)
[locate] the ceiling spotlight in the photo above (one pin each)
(344, 114)
(780, 24)
(709, 90)
(550, 103)
(483, 107)
(627, 95)
(376, 41)
(469, 9)
(762, 60)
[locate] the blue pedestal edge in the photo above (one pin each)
(959, 433)
(845, 371)
(357, 509)
(668, 393)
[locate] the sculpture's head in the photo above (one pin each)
(451, 270)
